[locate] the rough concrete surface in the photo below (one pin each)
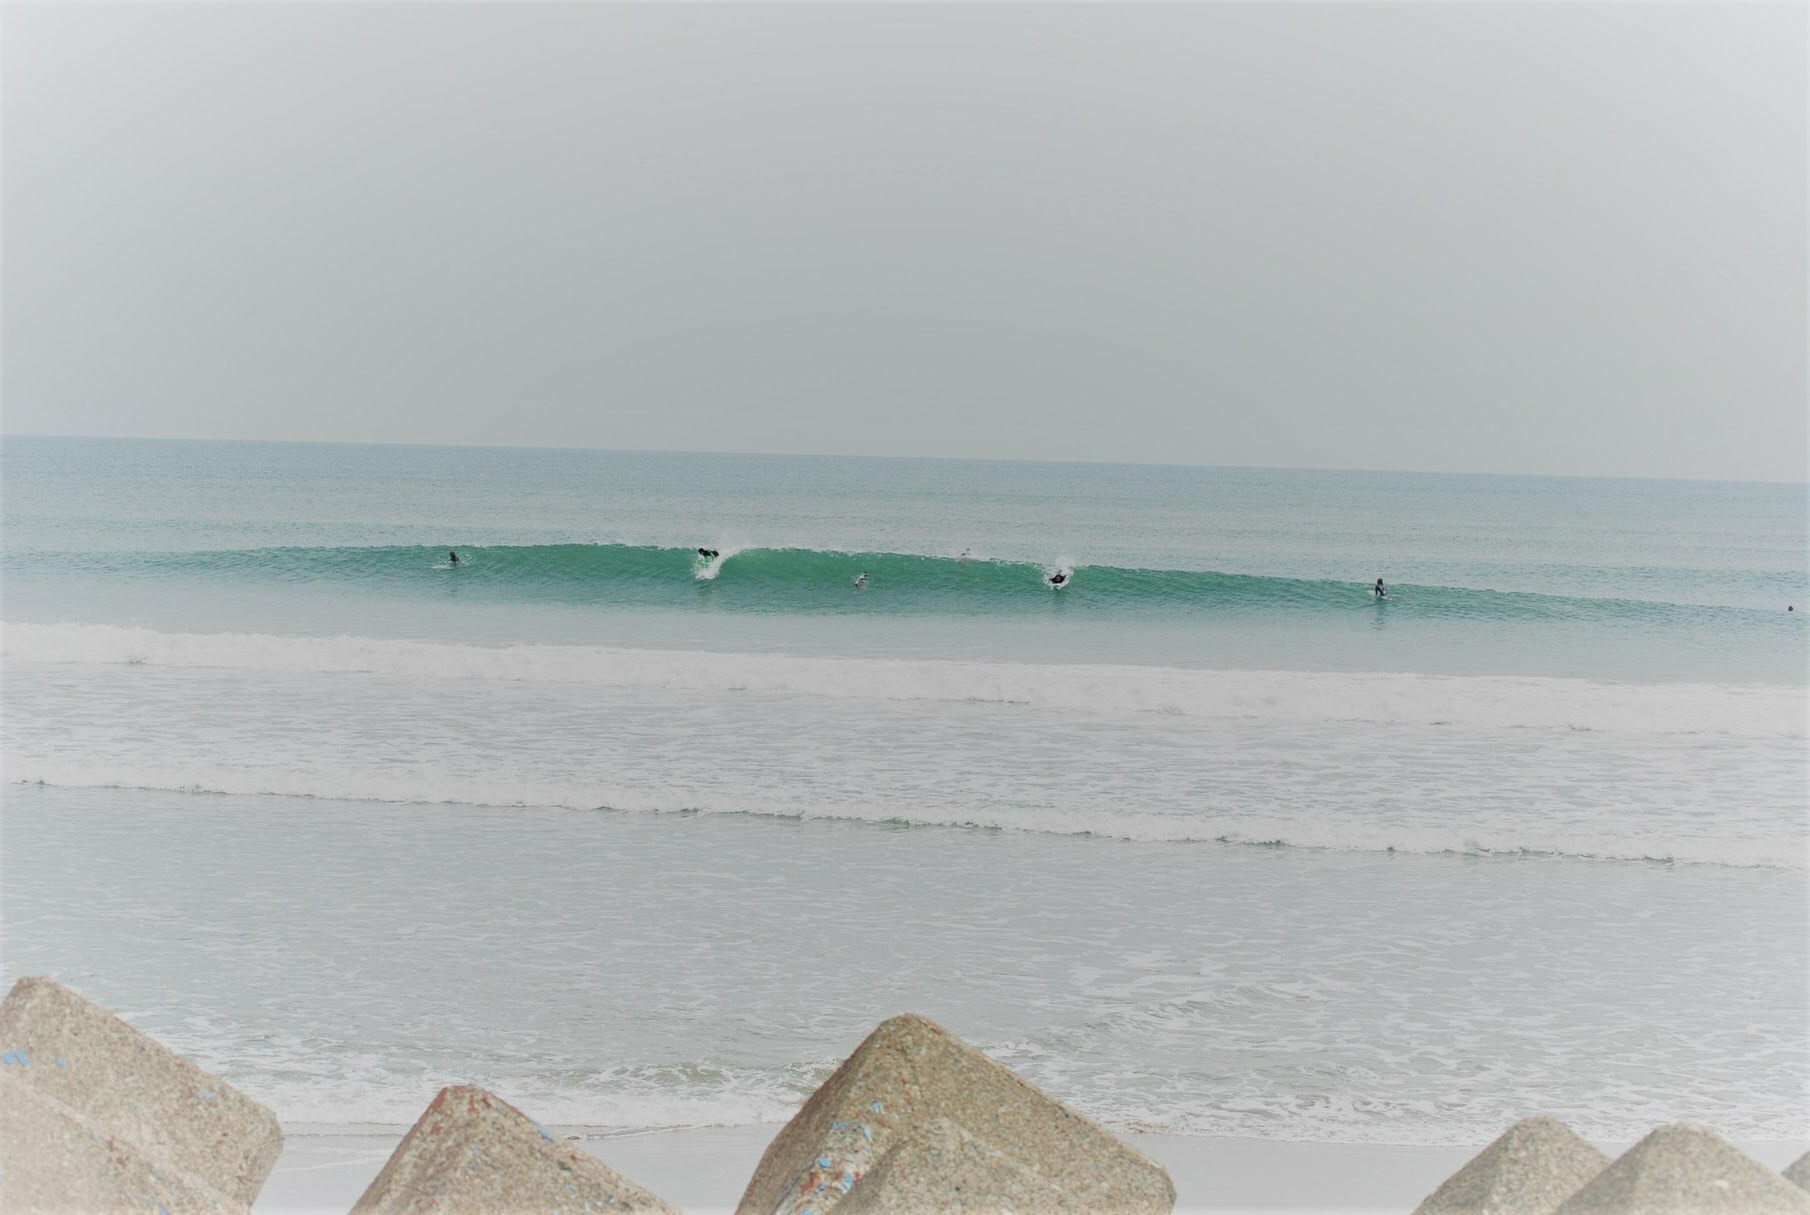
(910, 1071)
(126, 1087)
(939, 1167)
(1529, 1169)
(53, 1161)
(1686, 1170)
(1798, 1172)
(472, 1153)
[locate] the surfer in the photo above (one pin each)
(1058, 578)
(452, 556)
(964, 557)
(861, 581)
(1379, 590)
(706, 552)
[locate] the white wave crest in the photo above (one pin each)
(1488, 702)
(706, 569)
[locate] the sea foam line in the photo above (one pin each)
(1241, 830)
(1473, 701)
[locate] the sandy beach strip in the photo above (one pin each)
(702, 1170)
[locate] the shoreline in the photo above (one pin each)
(701, 1170)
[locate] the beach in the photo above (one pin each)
(869, 609)
(702, 1171)
(1308, 895)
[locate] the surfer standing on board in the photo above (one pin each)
(1379, 590)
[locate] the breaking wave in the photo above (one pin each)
(760, 579)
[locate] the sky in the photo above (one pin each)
(1538, 238)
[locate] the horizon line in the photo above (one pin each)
(664, 451)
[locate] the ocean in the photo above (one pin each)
(1206, 840)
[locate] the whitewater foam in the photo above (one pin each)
(1236, 991)
(706, 569)
(1533, 702)
(544, 844)
(1510, 841)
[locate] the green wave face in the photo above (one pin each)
(797, 580)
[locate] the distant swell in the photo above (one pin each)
(1486, 702)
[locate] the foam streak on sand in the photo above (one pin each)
(1742, 710)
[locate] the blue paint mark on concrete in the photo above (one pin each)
(208, 1094)
(19, 1057)
(62, 1063)
(543, 1132)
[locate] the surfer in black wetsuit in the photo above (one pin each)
(452, 556)
(1379, 590)
(707, 552)
(1058, 578)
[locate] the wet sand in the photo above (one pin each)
(702, 1170)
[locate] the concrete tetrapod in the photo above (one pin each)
(1798, 1172)
(1529, 1169)
(940, 1167)
(472, 1153)
(164, 1115)
(911, 1071)
(52, 1160)
(1686, 1170)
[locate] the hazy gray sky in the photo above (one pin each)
(1504, 237)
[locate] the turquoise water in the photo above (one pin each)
(1174, 566)
(1206, 840)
